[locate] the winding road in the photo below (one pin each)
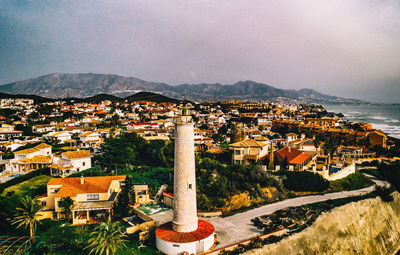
(237, 228)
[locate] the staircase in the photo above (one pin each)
(159, 193)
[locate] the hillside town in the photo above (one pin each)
(90, 162)
(300, 137)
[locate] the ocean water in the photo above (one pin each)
(384, 117)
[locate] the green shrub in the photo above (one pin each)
(305, 181)
(385, 193)
(391, 172)
(352, 182)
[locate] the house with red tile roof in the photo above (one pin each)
(93, 196)
(296, 159)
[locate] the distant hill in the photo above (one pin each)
(140, 96)
(149, 96)
(83, 85)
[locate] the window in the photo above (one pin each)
(237, 152)
(84, 163)
(237, 162)
(54, 191)
(190, 186)
(175, 245)
(92, 197)
(43, 203)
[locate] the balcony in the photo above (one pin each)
(252, 157)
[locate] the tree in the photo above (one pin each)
(284, 164)
(125, 198)
(318, 140)
(219, 138)
(115, 120)
(33, 116)
(66, 204)
(330, 146)
(158, 153)
(391, 172)
(271, 164)
(379, 150)
(26, 130)
(28, 214)
(119, 151)
(107, 237)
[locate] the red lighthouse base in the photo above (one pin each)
(171, 242)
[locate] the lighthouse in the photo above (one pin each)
(185, 208)
(185, 233)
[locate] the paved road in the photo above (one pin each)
(238, 227)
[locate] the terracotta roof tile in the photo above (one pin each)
(247, 144)
(26, 151)
(72, 186)
(286, 152)
(42, 146)
(77, 154)
(215, 150)
(300, 159)
(165, 232)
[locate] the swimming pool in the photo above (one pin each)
(14, 175)
(334, 169)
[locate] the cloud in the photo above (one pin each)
(332, 46)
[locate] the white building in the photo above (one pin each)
(30, 159)
(58, 137)
(90, 139)
(71, 162)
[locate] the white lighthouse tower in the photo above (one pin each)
(186, 233)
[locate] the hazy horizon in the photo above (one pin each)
(346, 48)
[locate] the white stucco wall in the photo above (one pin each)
(343, 173)
(178, 248)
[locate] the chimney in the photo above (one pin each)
(82, 180)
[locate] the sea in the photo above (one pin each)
(384, 117)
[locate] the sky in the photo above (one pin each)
(348, 48)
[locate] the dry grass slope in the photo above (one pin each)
(366, 227)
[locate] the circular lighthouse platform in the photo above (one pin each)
(171, 242)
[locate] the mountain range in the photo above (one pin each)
(81, 85)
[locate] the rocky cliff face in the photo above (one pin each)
(59, 85)
(366, 227)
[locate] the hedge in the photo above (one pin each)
(305, 181)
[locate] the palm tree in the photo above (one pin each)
(330, 146)
(28, 214)
(108, 237)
